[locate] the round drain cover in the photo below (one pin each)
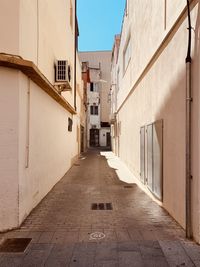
(97, 235)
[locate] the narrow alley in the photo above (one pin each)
(91, 218)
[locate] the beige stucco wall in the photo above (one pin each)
(160, 94)
(44, 38)
(81, 113)
(9, 30)
(196, 125)
(51, 146)
(79, 96)
(36, 147)
(9, 117)
(34, 32)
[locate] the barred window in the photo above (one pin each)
(94, 110)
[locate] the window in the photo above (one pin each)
(127, 54)
(70, 123)
(94, 110)
(92, 87)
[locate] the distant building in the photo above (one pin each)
(42, 117)
(96, 77)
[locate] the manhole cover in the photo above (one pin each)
(97, 236)
(14, 244)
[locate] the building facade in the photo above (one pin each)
(42, 115)
(96, 77)
(149, 116)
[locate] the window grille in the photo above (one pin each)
(63, 71)
(94, 110)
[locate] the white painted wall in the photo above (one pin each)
(94, 120)
(103, 136)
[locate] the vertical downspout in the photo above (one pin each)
(28, 125)
(188, 130)
(75, 49)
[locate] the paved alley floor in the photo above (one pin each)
(133, 230)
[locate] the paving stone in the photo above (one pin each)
(197, 263)
(59, 256)
(35, 236)
(71, 237)
(58, 237)
(122, 235)
(110, 235)
(83, 255)
(192, 250)
(46, 237)
(135, 234)
(8, 261)
(84, 235)
(37, 255)
(107, 264)
(138, 232)
(175, 254)
(130, 258)
(106, 252)
(128, 246)
(148, 234)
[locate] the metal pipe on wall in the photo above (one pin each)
(188, 130)
(28, 125)
(38, 34)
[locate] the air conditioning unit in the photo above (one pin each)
(63, 76)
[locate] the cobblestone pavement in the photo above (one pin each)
(137, 232)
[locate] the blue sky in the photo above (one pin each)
(99, 21)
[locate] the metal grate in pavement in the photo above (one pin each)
(101, 206)
(15, 244)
